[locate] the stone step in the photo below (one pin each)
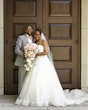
(7, 103)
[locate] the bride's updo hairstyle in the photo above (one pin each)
(39, 30)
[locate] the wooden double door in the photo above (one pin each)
(60, 21)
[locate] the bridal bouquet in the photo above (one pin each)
(30, 52)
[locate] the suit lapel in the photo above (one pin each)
(26, 39)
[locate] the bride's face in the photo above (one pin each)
(37, 35)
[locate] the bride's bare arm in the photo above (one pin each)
(45, 49)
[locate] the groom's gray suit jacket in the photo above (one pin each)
(22, 40)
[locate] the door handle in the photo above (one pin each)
(6, 41)
(76, 41)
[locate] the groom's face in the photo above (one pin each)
(29, 30)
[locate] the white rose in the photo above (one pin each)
(31, 52)
(32, 58)
(25, 65)
(27, 69)
(28, 60)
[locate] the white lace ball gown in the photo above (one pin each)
(42, 87)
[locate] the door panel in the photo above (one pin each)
(60, 21)
(18, 13)
(61, 25)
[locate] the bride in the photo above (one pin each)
(42, 86)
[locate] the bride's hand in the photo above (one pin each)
(38, 54)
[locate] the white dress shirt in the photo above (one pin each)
(29, 38)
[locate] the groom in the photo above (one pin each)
(22, 40)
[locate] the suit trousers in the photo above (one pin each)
(21, 77)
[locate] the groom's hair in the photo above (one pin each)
(39, 30)
(28, 26)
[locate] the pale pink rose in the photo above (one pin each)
(28, 54)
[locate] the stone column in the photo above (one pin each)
(84, 45)
(1, 48)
